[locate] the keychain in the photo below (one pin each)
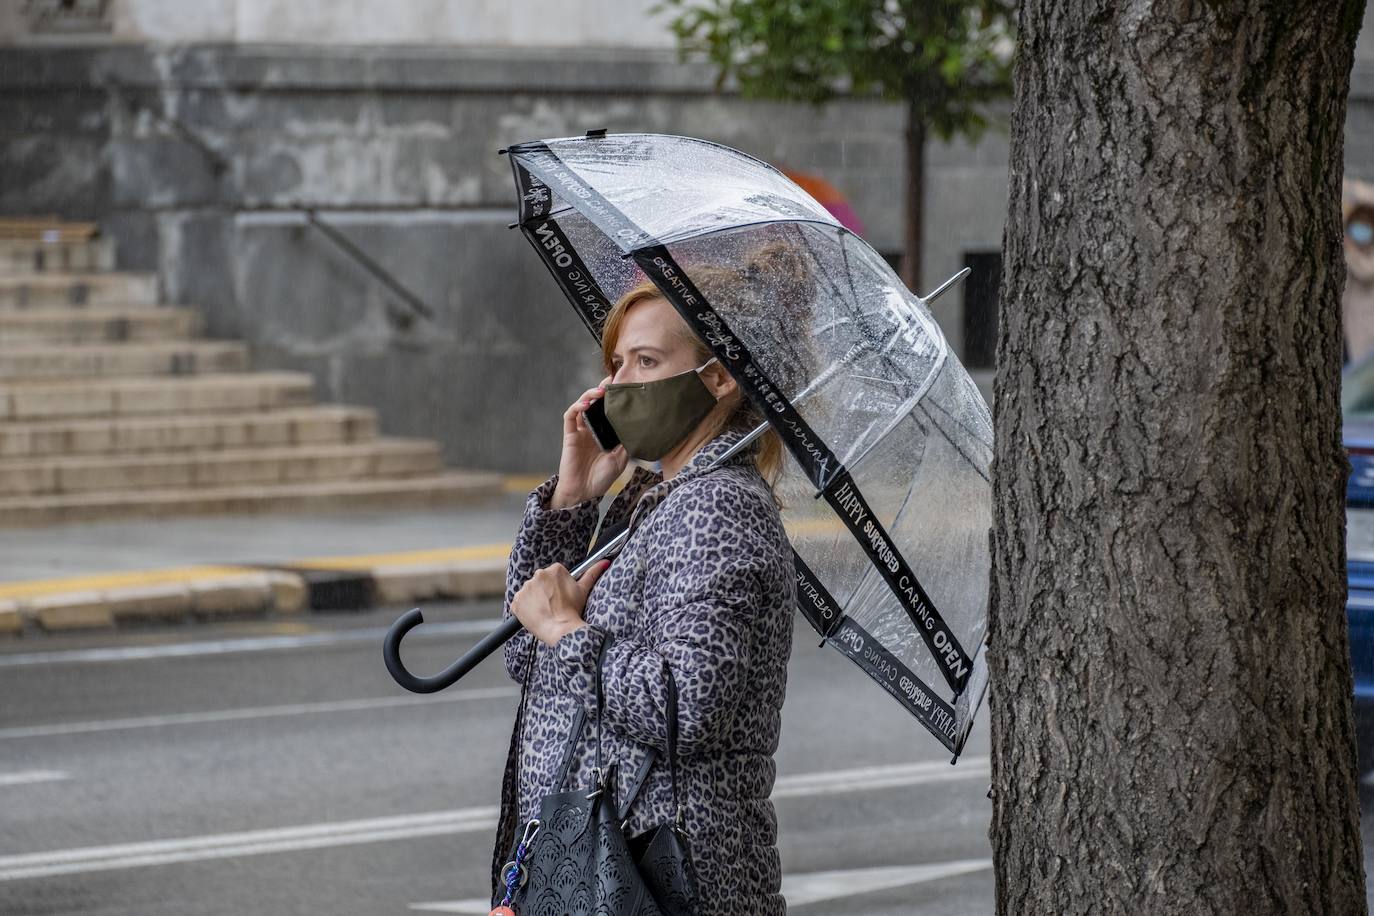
(513, 873)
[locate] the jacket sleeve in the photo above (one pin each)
(707, 591)
(546, 536)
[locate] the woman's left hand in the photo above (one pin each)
(550, 602)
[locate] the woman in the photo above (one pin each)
(704, 585)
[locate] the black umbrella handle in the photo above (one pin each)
(391, 653)
(391, 644)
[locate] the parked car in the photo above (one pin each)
(1357, 411)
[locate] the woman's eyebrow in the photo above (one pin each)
(644, 348)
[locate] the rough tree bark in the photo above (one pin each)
(1170, 707)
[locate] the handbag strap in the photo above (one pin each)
(637, 783)
(649, 758)
(578, 722)
(671, 713)
(600, 695)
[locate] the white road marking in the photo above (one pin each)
(25, 777)
(252, 712)
(245, 644)
(401, 827)
(248, 843)
(879, 777)
(815, 887)
(470, 905)
(797, 889)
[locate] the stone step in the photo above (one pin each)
(445, 489)
(29, 256)
(60, 324)
(46, 228)
(175, 433)
(144, 396)
(173, 357)
(226, 468)
(77, 289)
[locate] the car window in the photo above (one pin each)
(1357, 390)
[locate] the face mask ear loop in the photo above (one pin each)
(702, 368)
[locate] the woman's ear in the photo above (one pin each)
(720, 382)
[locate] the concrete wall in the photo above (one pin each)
(196, 158)
(966, 208)
(508, 23)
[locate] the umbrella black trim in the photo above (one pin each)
(968, 702)
(860, 647)
(570, 273)
(566, 266)
(821, 610)
(816, 459)
(534, 200)
(818, 606)
(592, 205)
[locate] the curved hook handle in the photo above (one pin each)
(391, 645)
(391, 653)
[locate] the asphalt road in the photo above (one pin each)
(258, 768)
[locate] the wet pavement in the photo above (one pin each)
(275, 768)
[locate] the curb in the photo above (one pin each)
(203, 593)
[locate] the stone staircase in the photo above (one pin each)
(113, 406)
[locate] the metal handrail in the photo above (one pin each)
(217, 161)
(365, 260)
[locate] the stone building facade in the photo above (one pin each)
(203, 135)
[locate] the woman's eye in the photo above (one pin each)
(646, 362)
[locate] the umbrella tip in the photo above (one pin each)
(945, 286)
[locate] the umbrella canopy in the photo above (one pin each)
(847, 365)
(828, 196)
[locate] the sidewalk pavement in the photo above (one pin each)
(127, 573)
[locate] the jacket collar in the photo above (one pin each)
(656, 489)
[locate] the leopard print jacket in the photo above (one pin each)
(705, 585)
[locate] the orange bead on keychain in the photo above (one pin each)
(502, 911)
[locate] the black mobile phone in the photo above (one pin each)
(601, 428)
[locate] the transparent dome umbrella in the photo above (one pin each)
(887, 500)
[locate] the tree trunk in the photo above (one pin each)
(1170, 706)
(915, 200)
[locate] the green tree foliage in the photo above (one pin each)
(945, 59)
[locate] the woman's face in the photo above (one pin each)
(654, 343)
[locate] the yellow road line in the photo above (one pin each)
(522, 483)
(186, 574)
(406, 558)
(36, 587)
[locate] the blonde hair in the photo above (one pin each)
(717, 282)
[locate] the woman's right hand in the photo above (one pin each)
(584, 470)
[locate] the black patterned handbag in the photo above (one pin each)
(576, 860)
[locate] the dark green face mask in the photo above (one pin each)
(652, 417)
